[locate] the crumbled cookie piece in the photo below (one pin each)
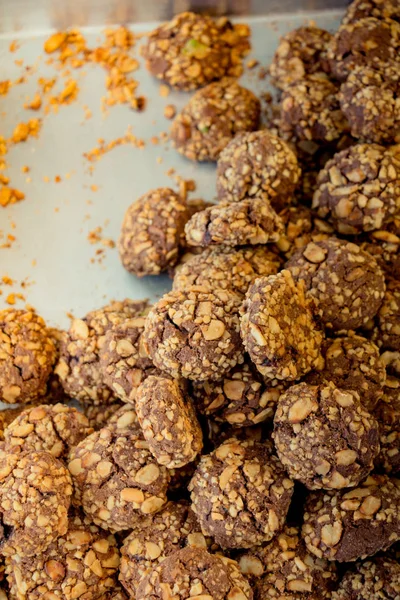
(79, 367)
(352, 363)
(369, 98)
(35, 495)
(369, 580)
(27, 355)
(54, 429)
(278, 329)
(240, 494)
(212, 118)
(283, 568)
(195, 573)
(169, 423)
(227, 268)
(359, 188)
(98, 415)
(193, 50)
(310, 110)
(242, 398)
(257, 164)
(153, 538)
(82, 563)
(194, 333)
(366, 42)
(152, 232)
(380, 9)
(387, 413)
(344, 282)
(301, 52)
(301, 226)
(251, 221)
(387, 331)
(347, 525)
(324, 437)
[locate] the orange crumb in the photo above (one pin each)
(252, 63)
(169, 111)
(14, 46)
(159, 160)
(25, 130)
(164, 90)
(154, 140)
(12, 298)
(34, 262)
(35, 103)
(4, 180)
(10, 196)
(46, 179)
(19, 62)
(7, 280)
(57, 179)
(4, 87)
(25, 169)
(94, 187)
(103, 148)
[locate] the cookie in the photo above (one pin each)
(344, 282)
(324, 437)
(54, 429)
(387, 332)
(387, 413)
(358, 189)
(83, 562)
(240, 494)
(35, 495)
(115, 476)
(226, 268)
(212, 118)
(278, 328)
(194, 572)
(257, 164)
(152, 232)
(250, 221)
(365, 42)
(125, 418)
(193, 50)
(169, 423)
(27, 355)
(8, 415)
(347, 525)
(300, 53)
(379, 577)
(194, 333)
(380, 9)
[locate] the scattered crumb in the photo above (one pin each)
(129, 138)
(4, 87)
(10, 196)
(164, 90)
(14, 46)
(25, 169)
(13, 297)
(169, 111)
(94, 187)
(252, 63)
(25, 130)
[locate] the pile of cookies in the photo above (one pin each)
(239, 438)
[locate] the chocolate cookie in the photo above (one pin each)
(324, 437)
(380, 9)
(344, 282)
(376, 578)
(358, 189)
(152, 232)
(212, 118)
(193, 50)
(278, 329)
(35, 495)
(240, 494)
(387, 413)
(115, 476)
(194, 573)
(350, 525)
(387, 332)
(8, 415)
(301, 52)
(257, 164)
(195, 333)
(27, 355)
(251, 221)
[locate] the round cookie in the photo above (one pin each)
(369, 580)
(153, 538)
(310, 110)
(300, 52)
(324, 437)
(387, 332)
(82, 563)
(35, 495)
(344, 282)
(195, 573)
(358, 189)
(283, 568)
(369, 98)
(54, 429)
(194, 333)
(27, 355)
(387, 413)
(240, 494)
(278, 329)
(257, 164)
(369, 41)
(380, 9)
(226, 268)
(242, 398)
(152, 232)
(115, 476)
(347, 525)
(352, 363)
(251, 221)
(79, 367)
(169, 422)
(212, 118)
(193, 50)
